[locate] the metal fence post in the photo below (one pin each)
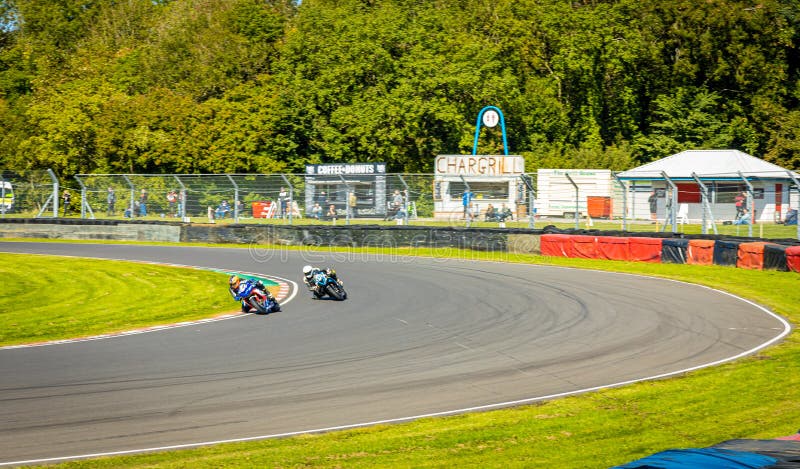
(55, 191)
(133, 195)
(670, 204)
(624, 201)
(528, 181)
(577, 200)
(235, 199)
(797, 185)
(291, 196)
(468, 214)
(706, 204)
(182, 201)
(84, 201)
(346, 200)
(749, 204)
(405, 198)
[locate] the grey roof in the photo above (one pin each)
(707, 164)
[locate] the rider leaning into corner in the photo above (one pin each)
(308, 278)
(238, 287)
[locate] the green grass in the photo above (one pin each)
(755, 397)
(43, 298)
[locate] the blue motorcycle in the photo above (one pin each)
(259, 300)
(330, 285)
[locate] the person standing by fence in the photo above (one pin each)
(283, 201)
(352, 201)
(143, 203)
(653, 201)
(466, 201)
(739, 201)
(66, 197)
(172, 202)
(111, 199)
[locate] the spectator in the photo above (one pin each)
(353, 204)
(295, 210)
(283, 201)
(398, 204)
(653, 201)
(471, 212)
(491, 213)
(740, 200)
(67, 198)
(466, 201)
(111, 199)
(791, 217)
(742, 219)
(222, 210)
(505, 212)
(331, 215)
(129, 211)
(240, 208)
(143, 203)
(316, 211)
(181, 210)
(172, 202)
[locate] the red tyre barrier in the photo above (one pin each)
(751, 256)
(557, 245)
(644, 249)
(793, 258)
(614, 248)
(700, 252)
(584, 246)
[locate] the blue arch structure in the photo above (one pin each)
(478, 129)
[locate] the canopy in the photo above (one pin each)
(708, 165)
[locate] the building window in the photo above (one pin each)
(726, 192)
(482, 190)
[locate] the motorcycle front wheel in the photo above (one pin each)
(335, 291)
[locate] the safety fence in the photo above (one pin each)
(739, 204)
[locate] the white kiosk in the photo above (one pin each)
(493, 179)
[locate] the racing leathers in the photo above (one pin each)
(308, 279)
(239, 294)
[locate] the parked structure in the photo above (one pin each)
(722, 174)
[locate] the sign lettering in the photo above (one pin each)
(479, 165)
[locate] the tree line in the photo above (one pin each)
(198, 86)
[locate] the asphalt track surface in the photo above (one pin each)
(417, 336)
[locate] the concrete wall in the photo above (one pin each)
(319, 235)
(122, 232)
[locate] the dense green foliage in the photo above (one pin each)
(269, 85)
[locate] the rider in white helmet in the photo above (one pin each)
(308, 276)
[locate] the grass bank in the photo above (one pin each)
(48, 298)
(755, 397)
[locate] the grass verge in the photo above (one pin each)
(755, 397)
(43, 298)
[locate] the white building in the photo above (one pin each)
(725, 173)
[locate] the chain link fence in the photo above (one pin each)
(727, 204)
(28, 193)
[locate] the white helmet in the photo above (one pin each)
(307, 270)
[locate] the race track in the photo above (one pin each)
(416, 337)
